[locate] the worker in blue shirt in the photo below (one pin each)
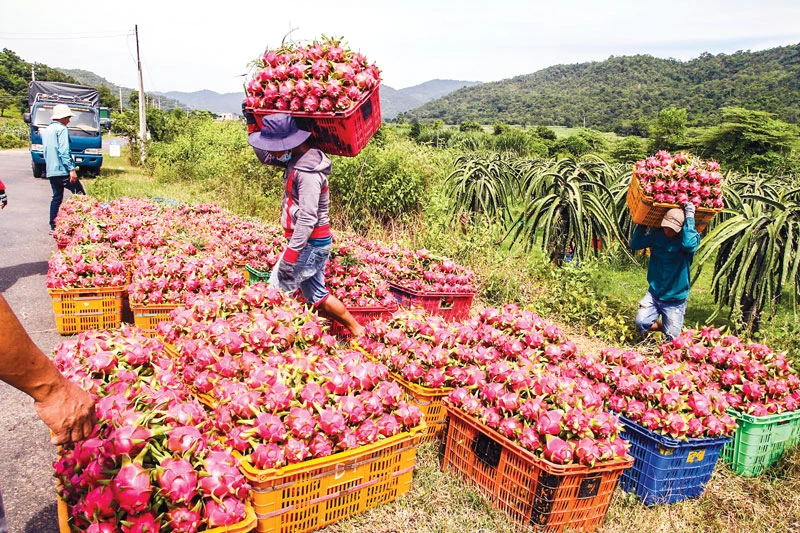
(672, 247)
(58, 161)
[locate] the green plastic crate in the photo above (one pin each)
(760, 441)
(257, 275)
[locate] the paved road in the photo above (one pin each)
(26, 455)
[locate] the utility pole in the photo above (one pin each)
(33, 74)
(142, 115)
(120, 99)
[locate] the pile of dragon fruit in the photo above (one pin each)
(415, 270)
(751, 376)
(281, 390)
(322, 77)
(153, 461)
(679, 179)
(86, 265)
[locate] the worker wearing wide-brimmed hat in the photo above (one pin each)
(304, 214)
(58, 161)
(672, 247)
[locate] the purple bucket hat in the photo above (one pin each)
(279, 132)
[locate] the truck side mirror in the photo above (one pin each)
(26, 117)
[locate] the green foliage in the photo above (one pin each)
(14, 135)
(481, 185)
(569, 297)
(750, 141)
(669, 129)
(469, 125)
(574, 145)
(755, 253)
(568, 205)
(385, 183)
(498, 128)
(615, 93)
(628, 150)
(543, 132)
(107, 98)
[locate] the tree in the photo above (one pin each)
(6, 101)
(628, 150)
(749, 140)
(469, 125)
(543, 132)
(755, 253)
(567, 205)
(107, 98)
(669, 129)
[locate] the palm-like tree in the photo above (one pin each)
(755, 250)
(482, 185)
(568, 204)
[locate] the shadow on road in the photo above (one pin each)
(10, 275)
(45, 521)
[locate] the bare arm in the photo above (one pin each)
(66, 408)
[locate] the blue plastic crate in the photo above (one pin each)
(666, 470)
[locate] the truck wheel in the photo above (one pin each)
(38, 170)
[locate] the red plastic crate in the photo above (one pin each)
(342, 133)
(531, 490)
(363, 315)
(452, 306)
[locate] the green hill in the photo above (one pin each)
(614, 94)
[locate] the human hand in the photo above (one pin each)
(3, 200)
(688, 209)
(73, 176)
(69, 413)
(286, 271)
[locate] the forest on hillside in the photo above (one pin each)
(622, 93)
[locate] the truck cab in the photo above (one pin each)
(85, 133)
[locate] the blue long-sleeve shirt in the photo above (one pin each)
(670, 259)
(57, 159)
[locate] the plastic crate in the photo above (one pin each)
(363, 315)
(760, 441)
(245, 526)
(452, 306)
(531, 490)
(147, 317)
(341, 133)
(647, 212)
(429, 401)
(312, 494)
(255, 275)
(667, 470)
(79, 310)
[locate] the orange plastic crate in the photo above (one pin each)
(147, 317)
(429, 401)
(79, 310)
(312, 494)
(532, 491)
(245, 526)
(646, 212)
(342, 133)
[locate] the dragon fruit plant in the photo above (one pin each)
(322, 77)
(673, 399)
(679, 179)
(86, 265)
(754, 379)
(152, 462)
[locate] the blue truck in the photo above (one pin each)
(85, 133)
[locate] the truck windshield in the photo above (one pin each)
(84, 119)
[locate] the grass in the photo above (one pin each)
(438, 502)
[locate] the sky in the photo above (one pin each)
(191, 46)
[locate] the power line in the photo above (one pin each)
(64, 37)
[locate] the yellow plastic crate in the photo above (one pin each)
(79, 310)
(429, 401)
(312, 494)
(147, 317)
(245, 526)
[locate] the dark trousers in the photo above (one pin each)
(58, 184)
